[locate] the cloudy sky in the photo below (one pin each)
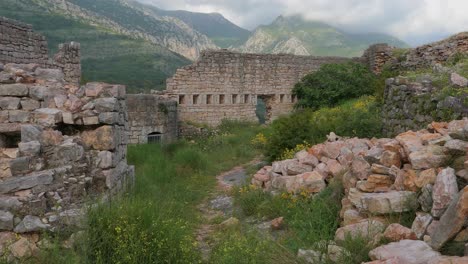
(415, 21)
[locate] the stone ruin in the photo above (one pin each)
(227, 85)
(61, 144)
(20, 44)
(152, 119)
(423, 173)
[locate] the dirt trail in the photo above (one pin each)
(219, 205)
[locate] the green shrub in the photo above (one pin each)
(355, 118)
(333, 84)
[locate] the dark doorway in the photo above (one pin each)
(263, 108)
(155, 138)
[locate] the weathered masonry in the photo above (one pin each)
(61, 144)
(20, 44)
(227, 85)
(152, 119)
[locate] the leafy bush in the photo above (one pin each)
(333, 84)
(355, 118)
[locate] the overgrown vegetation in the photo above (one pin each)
(333, 84)
(354, 118)
(155, 222)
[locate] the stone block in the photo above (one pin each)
(106, 105)
(26, 182)
(6, 221)
(384, 203)
(90, 120)
(18, 116)
(30, 133)
(31, 148)
(47, 116)
(110, 118)
(9, 103)
(30, 104)
(30, 224)
(16, 89)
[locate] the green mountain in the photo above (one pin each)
(111, 52)
(295, 35)
(221, 31)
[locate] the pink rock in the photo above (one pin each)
(421, 223)
(360, 168)
(427, 157)
(449, 260)
(411, 141)
(407, 251)
(458, 80)
(445, 189)
(390, 158)
(396, 232)
(335, 168)
(332, 150)
(277, 223)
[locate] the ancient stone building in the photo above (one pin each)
(61, 144)
(20, 44)
(227, 85)
(152, 119)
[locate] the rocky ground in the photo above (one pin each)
(423, 173)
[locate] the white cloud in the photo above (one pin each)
(415, 21)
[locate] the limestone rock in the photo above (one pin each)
(390, 158)
(360, 168)
(47, 116)
(420, 224)
(366, 228)
(380, 169)
(332, 150)
(410, 141)
(445, 189)
(407, 251)
(30, 224)
(383, 203)
(425, 198)
(457, 146)
(458, 129)
(277, 223)
(431, 156)
(295, 168)
(23, 248)
(30, 133)
(14, 90)
(31, 148)
(397, 232)
(6, 220)
(309, 256)
(449, 260)
(26, 182)
(458, 80)
(425, 177)
(452, 221)
(311, 181)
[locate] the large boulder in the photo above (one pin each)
(407, 251)
(452, 221)
(384, 203)
(445, 189)
(431, 156)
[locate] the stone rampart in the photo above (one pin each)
(151, 118)
(60, 145)
(226, 85)
(20, 44)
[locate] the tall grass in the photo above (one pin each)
(156, 221)
(309, 219)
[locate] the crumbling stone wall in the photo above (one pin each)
(60, 144)
(226, 85)
(377, 55)
(437, 52)
(151, 114)
(20, 44)
(413, 105)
